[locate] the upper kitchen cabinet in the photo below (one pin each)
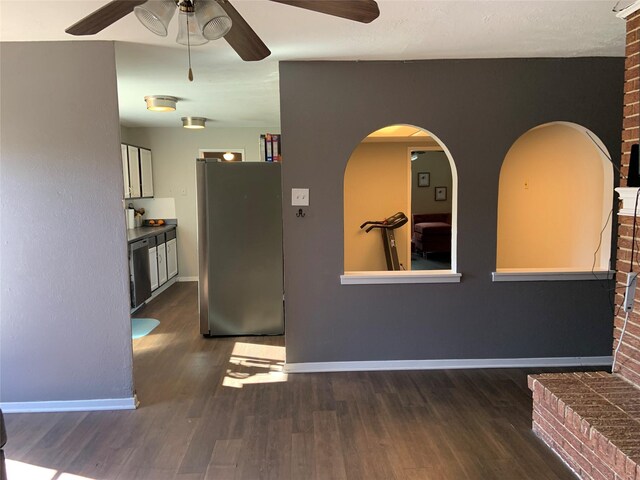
(146, 173)
(137, 171)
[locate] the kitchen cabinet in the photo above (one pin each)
(146, 172)
(162, 260)
(134, 171)
(172, 258)
(137, 171)
(153, 267)
(125, 171)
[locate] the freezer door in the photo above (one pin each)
(244, 271)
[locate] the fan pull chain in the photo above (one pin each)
(190, 76)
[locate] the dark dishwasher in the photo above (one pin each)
(139, 271)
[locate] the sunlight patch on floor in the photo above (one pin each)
(20, 470)
(248, 355)
(152, 341)
(264, 352)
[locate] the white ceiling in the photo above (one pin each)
(233, 93)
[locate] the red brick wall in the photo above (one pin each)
(578, 417)
(629, 356)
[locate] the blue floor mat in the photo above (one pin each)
(142, 326)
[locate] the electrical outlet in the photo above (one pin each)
(300, 197)
(630, 291)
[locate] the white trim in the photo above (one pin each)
(417, 276)
(129, 403)
(164, 286)
(187, 279)
(368, 366)
(628, 197)
(537, 276)
(626, 12)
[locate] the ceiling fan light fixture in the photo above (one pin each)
(161, 103)
(193, 123)
(156, 15)
(189, 31)
(212, 19)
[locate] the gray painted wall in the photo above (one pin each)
(477, 108)
(65, 332)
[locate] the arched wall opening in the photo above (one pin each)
(555, 201)
(379, 181)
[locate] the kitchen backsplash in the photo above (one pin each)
(155, 207)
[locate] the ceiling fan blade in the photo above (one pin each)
(364, 11)
(242, 38)
(103, 17)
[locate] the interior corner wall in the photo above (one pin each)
(65, 332)
(549, 175)
(478, 109)
(173, 152)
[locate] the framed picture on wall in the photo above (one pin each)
(424, 179)
(441, 194)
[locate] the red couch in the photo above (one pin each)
(431, 232)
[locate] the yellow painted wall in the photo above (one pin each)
(550, 204)
(376, 185)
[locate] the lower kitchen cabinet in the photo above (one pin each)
(172, 258)
(163, 258)
(153, 267)
(162, 262)
(153, 262)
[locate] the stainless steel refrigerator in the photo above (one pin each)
(240, 248)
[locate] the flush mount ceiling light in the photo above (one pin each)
(193, 122)
(161, 103)
(228, 156)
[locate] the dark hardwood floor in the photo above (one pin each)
(221, 409)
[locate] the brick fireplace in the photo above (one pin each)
(629, 354)
(592, 420)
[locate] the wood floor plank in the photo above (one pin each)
(279, 449)
(224, 460)
(209, 412)
(329, 460)
(302, 456)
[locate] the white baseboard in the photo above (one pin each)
(70, 405)
(158, 291)
(447, 364)
(187, 279)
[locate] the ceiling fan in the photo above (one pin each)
(204, 20)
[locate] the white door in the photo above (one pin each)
(125, 171)
(153, 267)
(162, 264)
(134, 171)
(146, 172)
(172, 258)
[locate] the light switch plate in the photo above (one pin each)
(300, 197)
